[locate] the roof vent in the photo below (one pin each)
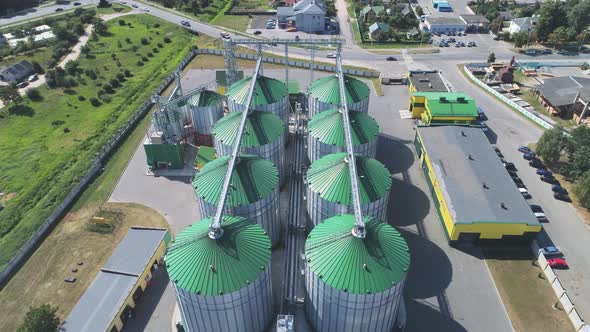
(430, 85)
(461, 99)
(443, 99)
(470, 157)
(503, 206)
(463, 133)
(212, 268)
(485, 185)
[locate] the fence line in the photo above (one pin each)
(566, 303)
(97, 164)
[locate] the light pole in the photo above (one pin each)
(528, 36)
(583, 39)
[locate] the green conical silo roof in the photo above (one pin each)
(253, 178)
(329, 176)
(328, 127)
(261, 128)
(267, 91)
(209, 267)
(354, 265)
(327, 90)
(204, 98)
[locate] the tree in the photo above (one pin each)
(71, 67)
(380, 36)
(491, 57)
(419, 11)
(551, 16)
(34, 94)
(42, 318)
(103, 4)
(582, 190)
(37, 67)
(580, 162)
(558, 36)
(85, 49)
(551, 144)
(9, 94)
(100, 27)
(578, 16)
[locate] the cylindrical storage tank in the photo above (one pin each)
(253, 193)
(329, 190)
(270, 95)
(263, 136)
(354, 284)
(326, 134)
(222, 284)
(324, 94)
(206, 107)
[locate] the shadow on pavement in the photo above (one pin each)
(491, 135)
(394, 153)
(424, 317)
(430, 268)
(408, 204)
(148, 302)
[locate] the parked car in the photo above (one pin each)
(562, 197)
(550, 179)
(22, 84)
(512, 172)
(518, 182)
(509, 166)
(550, 251)
(525, 193)
(557, 263)
(134, 6)
(484, 126)
(529, 156)
(59, 9)
(391, 58)
(547, 51)
(498, 152)
(536, 163)
(481, 114)
(544, 172)
(33, 78)
(471, 44)
(257, 32)
(558, 189)
(524, 149)
(185, 23)
(538, 212)
(331, 55)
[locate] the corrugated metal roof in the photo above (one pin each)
(449, 104)
(252, 179)
(204, 98)
(326, 90)
(209, 267)
(293, 86)
(328, 127)
(267, 91)
(355, 265)
(329, 176)
(205, 155)
(261, 128)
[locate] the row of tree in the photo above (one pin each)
(573, 153)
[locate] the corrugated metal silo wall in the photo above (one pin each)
(265, 212)
(203, 118)
(275, 152)
(319, 209)
(280, 108)
(316, 106)
(317, 149)
(331, 310)
(249, 309)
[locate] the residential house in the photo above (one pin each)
(369, 13)
(17, 72)
(567, 96)
(475, 23)
(284, 15)
(378, 27)
(404, 9)
(306, 15)
(524, 24)
(443, 25)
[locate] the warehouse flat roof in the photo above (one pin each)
(464, 161)
(427, 81)
(99, 305)
(134, 253)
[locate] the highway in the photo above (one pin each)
(38, 12)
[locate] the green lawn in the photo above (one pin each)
(113, 9)
(39, 161)
(234, 22)
(41, 55)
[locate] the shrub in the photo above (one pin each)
(66, 130)
(115, 83)
(167, 40)
(37, 67)
(160, 45)
(156, 25)
(118, 63)
(128, 40)
(94, 101)
(34, 94)
(81, 98)
(134, 48)
(122, 22)
(120, 77)
(108, 88)
(150, 55)
(113, 56)
(155, 50)
(144, 59)
(57, 123)
(119, 44)
(139, 63)
(144, 41)
(127, 73)
(106, 98)
(90, 73)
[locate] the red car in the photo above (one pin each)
(557, 263)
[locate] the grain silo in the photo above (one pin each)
(253, 192)
(329, 190)
(354, 284)
(270, 95)
(324, 94)
(263, 136)
(326, 134)
(222, 284)
(205, 107)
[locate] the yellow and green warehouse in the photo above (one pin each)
(473, 193)
(108, 301)
(433, 108)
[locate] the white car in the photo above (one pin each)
(550, 251)
(525, 193)
(331, 55)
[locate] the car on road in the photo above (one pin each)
(146, 9)
(529, 156)
(457, 44)
(22, 84)
(331, 55)
(134, 6)
(224, 35)
(33, 78)
(536, 163)
(525, 193)
(77, 4)
(185, 23)
(257, 32)
(538, 212)
(549, 179)
(550, 251)
(557, 263)
(544, 172)
(524, 149)
(471, 44)
(562, 197)
(452, 40)
(391, 58)
(59, 9)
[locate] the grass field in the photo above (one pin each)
(528, 299)
(39, 161)
(234, 22)
(41, 278)
(41, 55)
(113, 9)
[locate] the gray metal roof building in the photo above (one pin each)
(562, 91)
(472, 178)
(427, 81)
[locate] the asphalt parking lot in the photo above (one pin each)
(259, 21)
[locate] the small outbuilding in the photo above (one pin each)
(17, 72)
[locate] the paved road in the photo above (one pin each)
(37, 12)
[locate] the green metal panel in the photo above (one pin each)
(329, 176)
(293, 87)
(328, 127)
(202, 99)
(351, 264)
(266, 91)
(205, 155)
(221, 77)
(164, 153)
(209, 267)
(261, 128)
(253, 178)
(326, 90)
(451, 106)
